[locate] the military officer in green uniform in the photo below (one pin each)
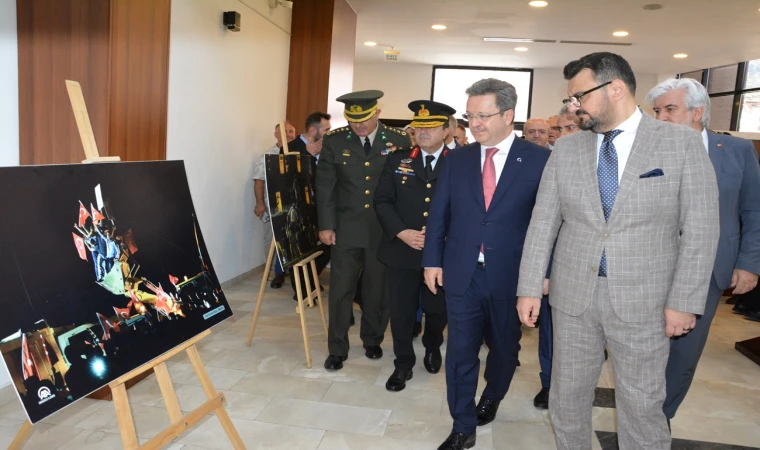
(349, 167)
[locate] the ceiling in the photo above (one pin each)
(711, 32)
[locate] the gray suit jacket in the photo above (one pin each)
(662, 233)
(736, 166)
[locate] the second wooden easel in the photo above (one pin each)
(300, 268)
(180, 423)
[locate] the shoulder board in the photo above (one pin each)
(396, 130)
(338, 130)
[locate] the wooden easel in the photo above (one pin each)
(302, 267)
(180, 423)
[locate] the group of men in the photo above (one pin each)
(634, 225)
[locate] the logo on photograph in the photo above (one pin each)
(44, 394)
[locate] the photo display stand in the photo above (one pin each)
(180, 423)
(301, 267)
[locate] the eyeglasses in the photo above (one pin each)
(575, 100)
(481, 117)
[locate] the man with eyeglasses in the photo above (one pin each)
(635, 203)
(474, 238)
(567, 122)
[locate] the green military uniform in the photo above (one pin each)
(347, 175)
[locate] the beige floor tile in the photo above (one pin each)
(326, 416)
(720, 408)
(94, 440)
(708, 429)
(221, 377)
(239, 405)
(351, 373)
(251, 362)
(512, 436)
(371, 396)
(76, 412)
(149, 421)
(282, 386)
(209, 434)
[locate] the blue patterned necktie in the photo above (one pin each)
(607, 173)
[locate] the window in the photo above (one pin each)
(450, 83)
(734, 95)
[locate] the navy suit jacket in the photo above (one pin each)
(459, 223)
(736, 167)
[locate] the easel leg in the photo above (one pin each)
(167, 391)
(208, 388)
(299, 297)
(313, 266)
(261, 293)
(124, 416)
(305, 272)
(22, 436)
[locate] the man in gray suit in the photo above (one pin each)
(737, 264)
(635, 203)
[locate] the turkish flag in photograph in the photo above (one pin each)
(83, 214)
(79, 242)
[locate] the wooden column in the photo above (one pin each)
(322, 48)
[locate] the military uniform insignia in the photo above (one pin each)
(388, 144)
(387, 151)
(346, 153)
(406, 161)
(423, 112)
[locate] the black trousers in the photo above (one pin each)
(321, 262)
(404, 288)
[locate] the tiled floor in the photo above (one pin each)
(277, 403)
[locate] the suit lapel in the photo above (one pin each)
(643, 145)
(439, 165)
(515, 160)
(716, 156)
(476, 177)
(588, 169)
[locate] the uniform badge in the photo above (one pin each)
(406, 161)
(346, 153)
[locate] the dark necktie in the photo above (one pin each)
(607, 174)
(429, 166)
(367, 145)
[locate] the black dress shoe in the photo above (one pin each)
(373, 352)
(334, 362)
(740, 308)
(277, 281)
(753, 315)
(433, 361)
(397, 381)
(731, 301)
(541, 401)
(458, 441)
(417, 329)
(487, 410)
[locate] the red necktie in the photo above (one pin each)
(489, 176)
(489, 181)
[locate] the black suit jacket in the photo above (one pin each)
(402, 201)
(296, 145)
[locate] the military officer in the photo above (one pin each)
(351, 162)
(404, 192)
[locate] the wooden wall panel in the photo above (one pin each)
(310, 51)
(139, 79)
(60, 40)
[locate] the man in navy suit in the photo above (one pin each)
(474, 236)
(737, 263)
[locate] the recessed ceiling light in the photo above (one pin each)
(521, 49)
(370, 44)
(538, 3)
(680, 55)
(620, 33)
(438, 27)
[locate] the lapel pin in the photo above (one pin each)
(519, 159)
(720, 145)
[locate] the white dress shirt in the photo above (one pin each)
(259, 168)
(499, 160)
(451, 145)
(436, 154)
(623, 142)
(704, 140)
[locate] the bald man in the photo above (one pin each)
(537, 131)
(553, 132)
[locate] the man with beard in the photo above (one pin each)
(633, 206)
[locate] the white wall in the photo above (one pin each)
(227, 90)
(8, 99)
(403, 83)
(8, 91)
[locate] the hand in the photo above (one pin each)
(528, 309)
(413, 238)
(259, 210)
(314, 148)
(546, 286)
(678, 323)
(433, 276)
(327, 237)
(743, 281)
